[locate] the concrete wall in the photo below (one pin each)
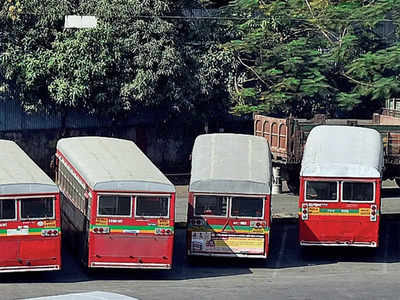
(168, 149)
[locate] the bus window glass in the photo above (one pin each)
(247, 207)
(152, 206)
(37, 208)
(7, 209)
(321, 190)
(210, 205)
(114, 205)
(358, 191)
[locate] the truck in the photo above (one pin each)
(287, 137)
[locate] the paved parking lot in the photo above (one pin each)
(288, 273)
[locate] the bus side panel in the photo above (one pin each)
(190, 214)
(75, 229)
(267, 218)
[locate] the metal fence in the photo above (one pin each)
(14, 118)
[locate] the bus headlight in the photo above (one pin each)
(258, 224)
(304, 212)
(373, 213)
(163, 231)
(49, 232)
(101, 230)
(197, 222)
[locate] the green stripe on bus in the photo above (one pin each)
(127, 227)
(338, 210)
(32, 229)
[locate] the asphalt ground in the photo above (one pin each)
(289, 272)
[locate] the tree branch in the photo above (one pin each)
(356, 81)
(251, 69)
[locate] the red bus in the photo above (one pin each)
(229, 209)
(30, 236)
(340, 187)
(117, 207)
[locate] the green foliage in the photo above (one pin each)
(132, 61)
(301, 57)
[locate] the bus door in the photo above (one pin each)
(340, 212)
(229, 226)
(133, 231)
(30, 234)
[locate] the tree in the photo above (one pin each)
(136, 59)
(301, 57)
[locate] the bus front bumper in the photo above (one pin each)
(130, 265)
(10, 269)
(339, 243)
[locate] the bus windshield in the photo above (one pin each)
(152, 206)
(114, 205)
(7, 209)
(358, 191)
(210, 205)
(37, 208)
(247, 207)
(321, 191)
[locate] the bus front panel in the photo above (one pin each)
(30, 236)
(228, 225)
(132, 231)
(342, 212)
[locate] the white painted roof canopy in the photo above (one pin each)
(343, 151)
(19, 174)
(231, 163)
(110, 164)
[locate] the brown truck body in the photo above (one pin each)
(287, 137)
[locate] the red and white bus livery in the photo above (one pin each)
(229, 209)
(340, 187)
(30, 237)
(118, 208)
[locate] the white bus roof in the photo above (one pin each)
(231, 163)
(19, 174)
(111, 164)
(343, 151)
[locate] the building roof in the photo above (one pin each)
(231, 163)
(111, 164)
(343, 151)
(19, 174)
